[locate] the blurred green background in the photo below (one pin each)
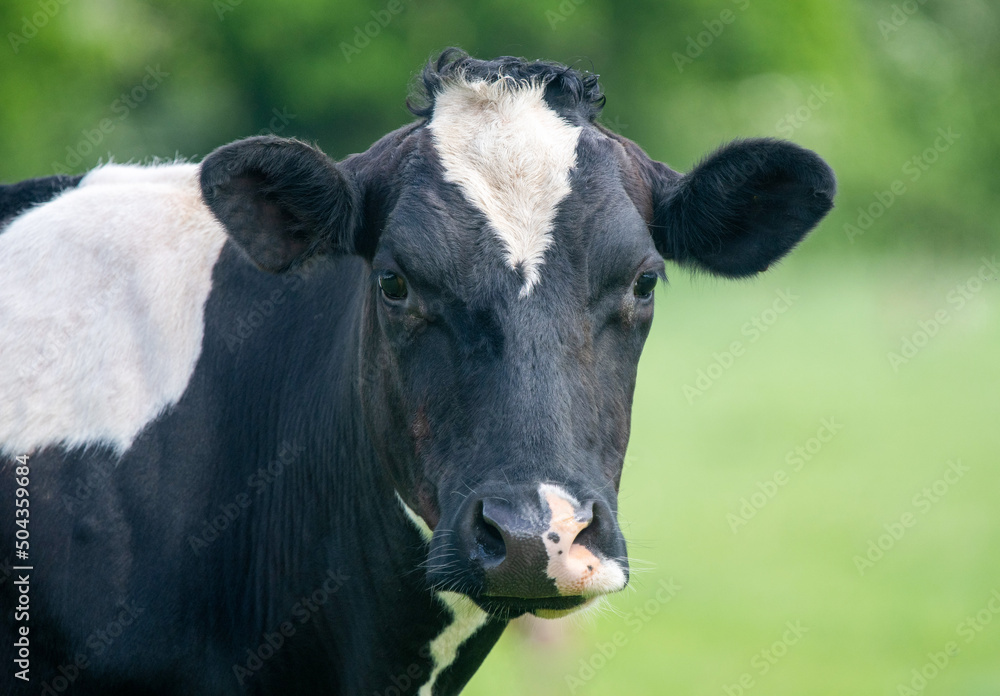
(867, 563)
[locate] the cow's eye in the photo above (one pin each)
(644, 285)
(392, 285)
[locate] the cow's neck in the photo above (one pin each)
(380, 619)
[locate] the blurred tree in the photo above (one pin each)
(867, 84)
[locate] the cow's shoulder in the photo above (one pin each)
(102, 304)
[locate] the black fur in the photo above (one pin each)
(743, 207)
(460, 395)
(573, 94)
(280, 199)
(16, 198)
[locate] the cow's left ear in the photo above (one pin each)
(281, 200)
(742, 208)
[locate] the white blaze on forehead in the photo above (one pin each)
(102, 306)
(511, 155)
(575, 569)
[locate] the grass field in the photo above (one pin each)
(839, 569)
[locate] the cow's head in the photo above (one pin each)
(513, 248)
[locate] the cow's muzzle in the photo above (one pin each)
(537, 549)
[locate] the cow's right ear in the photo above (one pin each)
(281, 200)
(742, 208)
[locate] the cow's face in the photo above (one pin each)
(514, 248)
(500, 362)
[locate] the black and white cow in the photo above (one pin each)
(296, 426)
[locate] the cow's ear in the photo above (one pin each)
(281, 200)
(742, 208)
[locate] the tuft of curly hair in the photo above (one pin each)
(570, 92)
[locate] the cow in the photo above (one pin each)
(287, 425)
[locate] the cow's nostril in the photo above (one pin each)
(534, 543)
(509, 549)
(490, 545)
(589, 535)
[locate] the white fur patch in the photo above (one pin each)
(574, 568)
(511, 155)
(177, 173)
(417, 520)
(467, 618)
(102, 295)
